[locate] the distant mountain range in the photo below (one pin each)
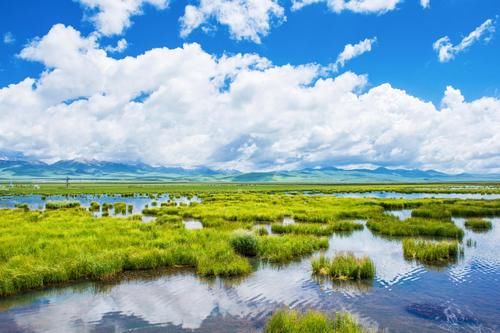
(18, 168)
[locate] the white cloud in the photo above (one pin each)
(352, 51)
(447, 51)
(425, 3)
(236, 111)
(111, 17)
(8, 38)
(120, 46)
(356, 6)
(245, 19)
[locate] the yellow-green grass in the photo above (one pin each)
(478, 224)
(120, 207)
(61, 204)
(412, 227)
(431, 252)
(433, 211)
(290, 321)
(344, 266)
(315, 228)
(156, 188)
(38, 249)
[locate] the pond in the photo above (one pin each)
(139, 202)
(404, 297)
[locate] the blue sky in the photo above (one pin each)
(403, 56)
(401, 53)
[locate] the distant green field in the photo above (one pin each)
(197, 188)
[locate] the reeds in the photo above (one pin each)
(344, 266)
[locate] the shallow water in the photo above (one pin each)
(404, 297)
(192, 224)
(138, 202)
(401, 195)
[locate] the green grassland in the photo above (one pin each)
(67, 243)
(52, 188)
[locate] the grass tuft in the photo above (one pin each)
(289, 321)
(344, 267)
(429, 252)
(478, 224)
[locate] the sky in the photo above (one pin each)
(253, 85)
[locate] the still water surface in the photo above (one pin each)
(404, 297)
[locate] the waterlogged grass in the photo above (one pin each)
(315, 228)
(244, 243)
(289, 321)
(279, 249)
(94, 206)
(68, 244)
(120, 207)
(65, 244)
(61, 204)
(38, 249)
(344, 266)
(412, 227)
(435, 212)
(430, 252)
(478, 224)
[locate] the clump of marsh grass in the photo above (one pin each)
(94, 206)
(120, 208)
(61, 204)
(478, 224)
(23, 206)
(162, 219)
(318, 229)
(430, 252)
(435, 212)
(244, 243)
(392, 226)
(106, 207)
(261, 231)
(344, 266)
(290, 321)
(282, 249)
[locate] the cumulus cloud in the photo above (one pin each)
(245, 19)
(356, 6)
(186, 107)
(8, 38)
(111, 17)
(352, 51)
(120, 46)
(425, 3)
(447, 51)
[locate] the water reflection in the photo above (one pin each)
(138, 202)
(400, 214)
(398, 298)
(192, 224)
